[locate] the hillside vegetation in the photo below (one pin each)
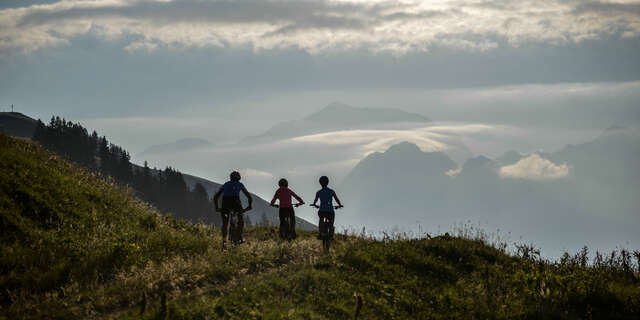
(75, 246)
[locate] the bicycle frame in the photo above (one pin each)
(235, 235)
(325, 229)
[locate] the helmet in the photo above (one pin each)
(283, 182)
(324, 181)
(235, 176)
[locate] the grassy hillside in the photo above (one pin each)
(75, 246)
(17, 124)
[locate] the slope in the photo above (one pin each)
(167, 189)
(74, 246)
(17, 124)
(261, 208)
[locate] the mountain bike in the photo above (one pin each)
(235, 226)
(326, 229)
(287, 227)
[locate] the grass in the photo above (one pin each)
(76, 246)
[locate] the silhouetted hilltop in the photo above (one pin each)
(185, 196)
(17, 124)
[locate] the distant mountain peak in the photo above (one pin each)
(337, 116)
(479, 161)
(404, 147)
(341, 113)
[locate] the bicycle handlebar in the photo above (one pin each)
(318, 207)
(295, 205)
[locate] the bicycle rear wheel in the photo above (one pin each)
(234, 225)
(326, 243)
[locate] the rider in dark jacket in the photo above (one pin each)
(230, 192)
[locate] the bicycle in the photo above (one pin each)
(326, 229)
(235, 226)
(287, 227)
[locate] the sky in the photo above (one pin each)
(493, 75)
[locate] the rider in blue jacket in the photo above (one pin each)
(230, 192)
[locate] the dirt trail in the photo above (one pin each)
(303, 251)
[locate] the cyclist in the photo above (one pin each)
(326, 208)
(231, 203)
(283, 195)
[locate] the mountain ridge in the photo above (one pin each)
(17, 124)
(594, 182)
(261, 206)
(336, 116)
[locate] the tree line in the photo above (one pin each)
(165, 189)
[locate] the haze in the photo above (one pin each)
(240, 80)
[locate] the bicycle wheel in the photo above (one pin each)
(324, 234)
(234, 233)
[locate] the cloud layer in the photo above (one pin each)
(535, 167)
(318, 26)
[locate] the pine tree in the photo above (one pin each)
(104, 155)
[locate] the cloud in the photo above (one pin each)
(253, 173)
(317, 26)
(453, 172)
(369, 141)
(535, 167)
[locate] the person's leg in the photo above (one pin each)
(225, 224)
(320, 225)
(282, 213)
(241, 226)
(292, 224)
(332, 218)
(235, 208)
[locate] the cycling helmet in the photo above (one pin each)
(235, 176)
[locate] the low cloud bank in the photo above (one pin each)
(535, 167)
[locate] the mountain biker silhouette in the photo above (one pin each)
(286, 212)
(231, 205)
(326, 210)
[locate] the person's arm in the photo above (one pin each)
(215, 198)
(300, 201)
(315, 200)
(248, 195)
(335, 196)
(273, 201)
